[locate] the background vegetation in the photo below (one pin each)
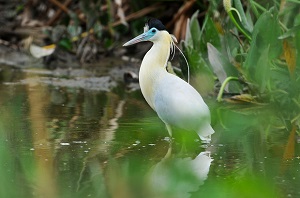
(244, 59)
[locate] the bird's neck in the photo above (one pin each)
(154, 67)
(157, 56)
(159, 53)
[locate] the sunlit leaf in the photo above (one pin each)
(243, 98)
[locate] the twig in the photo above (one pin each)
(188, 5)
(60, 5)
(64, 8)
(58, 13)
(138, 14)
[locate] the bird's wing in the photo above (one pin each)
(177, 103)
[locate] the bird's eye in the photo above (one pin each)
(154, 30)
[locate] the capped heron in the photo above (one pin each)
(175, 101)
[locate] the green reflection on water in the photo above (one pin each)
(74, 142)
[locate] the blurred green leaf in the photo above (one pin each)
(91, 10)
(289, 12)
(244, 20)
(98, 30)
(246, 187)
(74, 30)
(65, 43)
(290, 56)
(290, 33)
(108, 42)
(218, 63)
(194, 28)
(19, 8)
(238, 17)
(211, 34)
(262, 71)
(297, 46)
(265, 47)
(193, 50)
(222, 67)
(234, 16)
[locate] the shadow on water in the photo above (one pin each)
(60, 139)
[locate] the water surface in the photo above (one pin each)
(87, 135)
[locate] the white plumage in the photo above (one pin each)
(176, 102)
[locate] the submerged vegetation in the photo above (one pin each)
(61, 139)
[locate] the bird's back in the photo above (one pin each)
(178, 104)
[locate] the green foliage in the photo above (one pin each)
(263, 56)
(65, 43)
(246, 187)
(264, 49)
(193, 48)
(238, 17)
(13, 161)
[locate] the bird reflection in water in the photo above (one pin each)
(179, 176)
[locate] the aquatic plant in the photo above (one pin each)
(252, 53)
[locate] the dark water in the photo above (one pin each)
(92, 136)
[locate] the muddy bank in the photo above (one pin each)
(103, 76)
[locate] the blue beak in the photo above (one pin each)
(140, 38)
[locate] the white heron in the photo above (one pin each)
(175, 101)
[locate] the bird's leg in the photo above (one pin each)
(169, 152)
(169, 130)
(205, 140)
(170, 142)
(183, 149)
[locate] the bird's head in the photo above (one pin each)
(154, 31)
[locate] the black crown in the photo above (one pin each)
(152, 22)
